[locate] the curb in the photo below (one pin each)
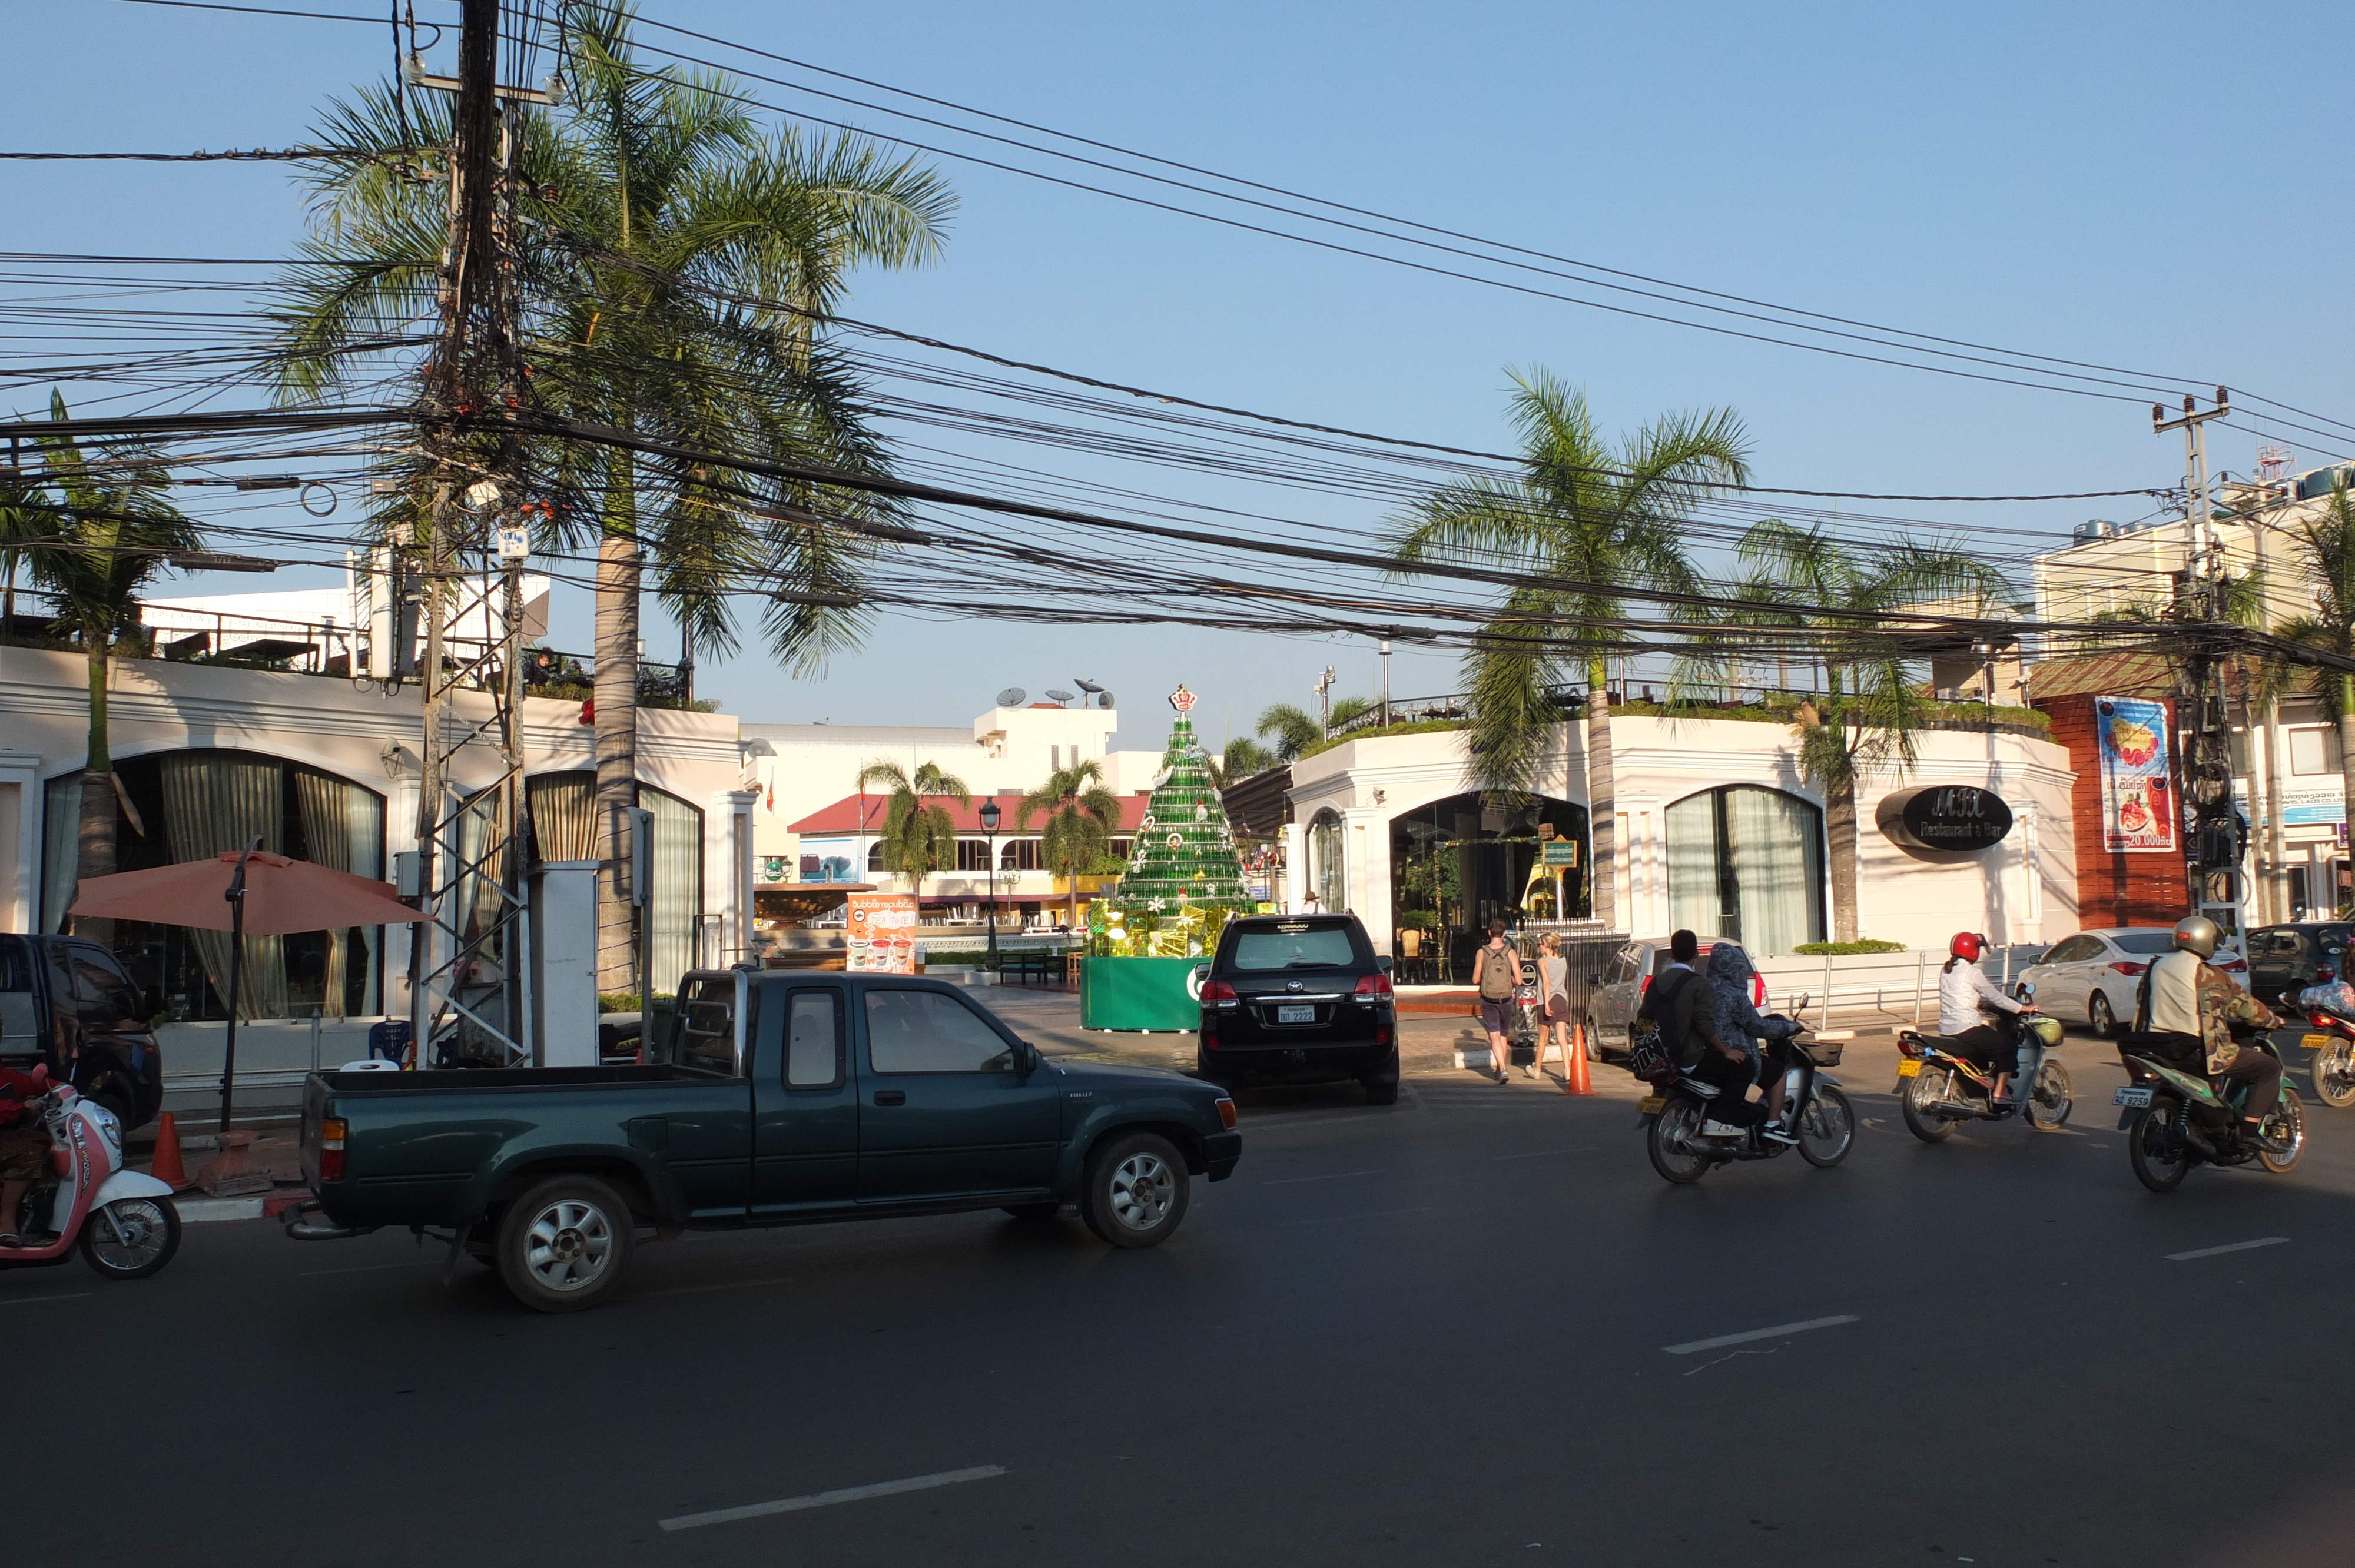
(203, 1210)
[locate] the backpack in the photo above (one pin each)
(1651, 1055)
(1499, 973)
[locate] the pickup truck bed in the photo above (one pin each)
(786, 1097)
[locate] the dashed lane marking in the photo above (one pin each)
(30, 1300)
(2218, 1251)
(1689, 1346)
(827, 1499)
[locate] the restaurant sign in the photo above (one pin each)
(1957, 818)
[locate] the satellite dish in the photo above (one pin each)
(1012, 697)
(1103, 699)
(1060, 696)
(1085, 685)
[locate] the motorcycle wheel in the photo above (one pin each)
(151, 1234)
(1678, 1122)
(2155, 1166)
(1931, 1086)
(2289, 1120)
(2049, 1101)
(1826, 1127)
(2334, 1076)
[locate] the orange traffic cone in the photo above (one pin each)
(1574, 1080)
(166, 1167)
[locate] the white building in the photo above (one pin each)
(1717, 831)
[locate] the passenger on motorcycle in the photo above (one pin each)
(24, 1145)
(2191, 1006)
(1739, 1029)
(1966, 996)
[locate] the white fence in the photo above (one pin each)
(1899, 989)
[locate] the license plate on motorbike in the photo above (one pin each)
(2138, 1097)
(1296, 1015)
(1909, 1069)
(1651, 1103)
(2315, 1042)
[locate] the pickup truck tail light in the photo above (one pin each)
(2129, 967)
(1373, 987)
(331, 1149)
(1227, 1113)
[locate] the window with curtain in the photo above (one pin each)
(675, 899)
(1328, 869)
(191, 805)
(564, 815)
(1747, 864)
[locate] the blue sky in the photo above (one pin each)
(2159, 186)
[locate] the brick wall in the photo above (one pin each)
(2113, 889)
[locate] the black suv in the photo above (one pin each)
(1299, 998)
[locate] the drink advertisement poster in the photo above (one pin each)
(882, 929)
(2138, 810)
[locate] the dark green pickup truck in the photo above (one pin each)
(786, 1097)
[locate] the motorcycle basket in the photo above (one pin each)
(1823, 1053)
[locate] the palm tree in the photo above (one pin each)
(672, 261)
(1875, 706)
(1080, 816)
(916, 836)
(1295, 730)
(1241, 758)
(1598, 520)
(95, 535)
(2326, 556)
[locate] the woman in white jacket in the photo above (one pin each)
(1966, 996)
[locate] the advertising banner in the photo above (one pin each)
(2138, 810)
(882, 934)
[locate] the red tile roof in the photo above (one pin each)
(843, 817)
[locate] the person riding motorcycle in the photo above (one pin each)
(1966, 996)
(2190, 1006)
(24, 1145)
(1736, 1063)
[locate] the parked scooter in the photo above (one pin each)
(2332, 1040)
(123, 1220)
(1938, 1088)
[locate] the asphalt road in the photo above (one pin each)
(1432, 1334)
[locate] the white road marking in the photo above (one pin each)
(2215, 1251)
(1336, 1176)
(1689, 1346)
(1376, 1215)
(827, 1499)
(28, 1300)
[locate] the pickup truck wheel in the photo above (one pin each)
(1136, 1191)
(564, 1245)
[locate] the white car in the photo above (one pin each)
(2095, 975)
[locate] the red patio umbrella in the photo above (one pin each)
(239, 891)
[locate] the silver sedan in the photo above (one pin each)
(2096, 975)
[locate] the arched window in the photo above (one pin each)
(1020, 854)
(875, 856)
(1747, 864)
(1328, 874)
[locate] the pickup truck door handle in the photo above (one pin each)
(891, 1096)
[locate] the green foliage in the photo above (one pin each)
(1080, 816)
(1243, 757)
(1587, 520)
(917, 836)
(1849, 950)
(1295, 730)
(1419, 726)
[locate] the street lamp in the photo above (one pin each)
(989, 816)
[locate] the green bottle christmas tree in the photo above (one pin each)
(1183, 854)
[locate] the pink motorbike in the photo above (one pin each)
(123, 1220)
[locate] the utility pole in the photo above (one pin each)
(470, 988)
(2214, 843)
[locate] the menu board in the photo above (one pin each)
(882, 928)
(2138, 810)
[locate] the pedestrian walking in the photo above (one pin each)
(1553, 1001)
(1496, 971)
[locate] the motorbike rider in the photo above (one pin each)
(1738, 1028)
(2192, 1005)
(24, 1145)
(1966, 996)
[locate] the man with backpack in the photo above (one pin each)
(1496, 971)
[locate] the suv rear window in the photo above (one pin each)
(1295, 945)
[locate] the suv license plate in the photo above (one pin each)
(2138, 1096)
(1296, 1015)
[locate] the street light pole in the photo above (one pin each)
(989, 818)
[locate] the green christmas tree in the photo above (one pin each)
(1183, 854)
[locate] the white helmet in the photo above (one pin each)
(2198, 934)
